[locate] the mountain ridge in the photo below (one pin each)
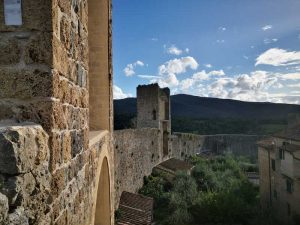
(190, 106)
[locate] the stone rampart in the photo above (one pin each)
(238, 144)
(137, 151)
(185, 145)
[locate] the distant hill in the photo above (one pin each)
(193, 107)
(199, 115)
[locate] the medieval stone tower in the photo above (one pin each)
(56, 160)
(153, 111)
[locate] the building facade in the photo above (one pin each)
(279, 166)
(56, 156)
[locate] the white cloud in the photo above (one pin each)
(139, 63)
(178, 66)
(129, 69)
(147, 76)
(208, 65)
(295, 92)
(187, 50)
(203, 75)
(200, 76)
(245, 87)
(167, 80)
(269, 41)
(216, 73)
(245, 57)
(220, 41)
(278, 57)
(154, 39)
(222, 29)
(167, 73)
(186, 83)
(173, 50)
(267, 27)
(119, 94)
(294, 85)
(291, 76)
(257, 86)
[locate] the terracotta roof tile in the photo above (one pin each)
(176, 165)
(135, 209)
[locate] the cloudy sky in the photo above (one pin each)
(239, 49)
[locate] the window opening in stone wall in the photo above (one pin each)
(165, 139)
(288, 209)
(289, 186)
(275, 194)
(273, 165)
(13, 12)
(167, 111)
(281, 154)
(154, 114)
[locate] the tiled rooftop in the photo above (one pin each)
(135, 209)
(266, 143)
(176, 165)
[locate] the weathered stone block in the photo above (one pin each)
(3, 208)
(63, 219)
(25, 83)
(39, 49)
(77, 142)
(59, 118)
(65, 30)
(58, 182)
(65, 6)
(18, 217)
(10, 51)
(84, 98)
(66, 146)
(22, 148)
(56, 146)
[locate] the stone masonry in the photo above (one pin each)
(50, 162)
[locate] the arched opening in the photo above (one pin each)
(102, 214)
(99, 65)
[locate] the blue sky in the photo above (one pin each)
(240, 49)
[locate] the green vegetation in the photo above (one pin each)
(227, 126)
(217, 192)
(210, 126)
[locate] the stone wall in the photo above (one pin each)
(34, 195)
(44, 66)
(137, 151)
(238, 144)
(185, 145)
(25, 180)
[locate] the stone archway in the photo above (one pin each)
(103, 202)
